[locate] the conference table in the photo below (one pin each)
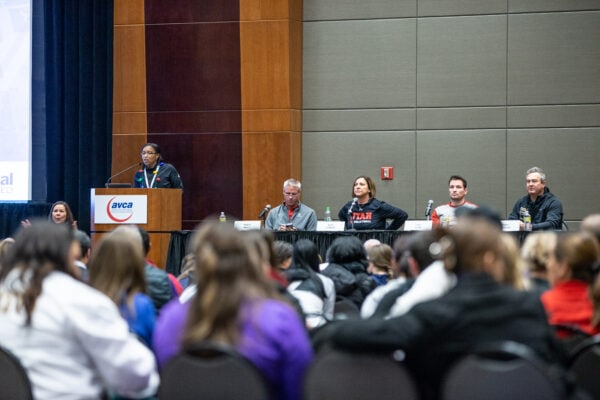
(178, 245)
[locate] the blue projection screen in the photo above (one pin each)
(15, 100)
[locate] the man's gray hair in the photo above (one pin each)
(294, 183)
(539, 171)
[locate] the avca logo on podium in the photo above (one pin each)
(120, 209)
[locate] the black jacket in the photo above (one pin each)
(546, 211)
(351, 281)
(435, 334)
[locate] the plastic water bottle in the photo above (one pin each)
(527, 221)
(327, 214)
(222, 217)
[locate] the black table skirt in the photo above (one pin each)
(178, 245)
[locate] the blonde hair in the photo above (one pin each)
(514, 267)
(536, 249)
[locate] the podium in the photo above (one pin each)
(158, 211)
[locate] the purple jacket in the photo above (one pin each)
(273, 338)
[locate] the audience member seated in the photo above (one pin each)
(432, 280)
(315, 292)
(186, 277)
(283, 254)
(380, 263)
(83, 256)
(400, 272)
(347, 267)
(263, 242)
(60, 213)
(117, 270)
(69, 337)
(591, 224)
(160, 284)
(5, 246)
(236, 304)
(570, 275)
(478, 310)
(535, 252)
(514, 273)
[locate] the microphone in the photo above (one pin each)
(428, 210)
(354, 201)
(264, 211)
(121, 172)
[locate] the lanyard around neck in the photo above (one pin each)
(155, 173)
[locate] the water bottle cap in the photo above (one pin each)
(327, 208)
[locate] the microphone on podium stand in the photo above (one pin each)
(108, 182)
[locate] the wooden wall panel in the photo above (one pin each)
(271, 54)
(129, 68)
(128, 12)
(223, 100)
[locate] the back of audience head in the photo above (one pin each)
(5, 246)
(380, 260)
(85, 244)
(418, 253)
(347, 249)
(485, 212)
(514, 267)
(40, 249)
(573, 258)
(145, 240)
(117, 264)
(591, 224)
(400, 264)
(369, 243)
(535, 252)
(230, 273)
(283, 254)
(306, 255)
(188, 267)
(263, 244)
(472, 246)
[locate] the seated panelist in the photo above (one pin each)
(366, 212)
(292, 215)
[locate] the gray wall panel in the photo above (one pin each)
(462, 88)
(476, 155)
(461, 7)
(570, 159)
(554, 116)
(461, 118)
(359, 64)
(461, 61)
(360, 120)
(551, 5)
(358, 9)
(554, 58)
(331, 161)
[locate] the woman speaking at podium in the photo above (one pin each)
(155, 173)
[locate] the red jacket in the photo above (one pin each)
(568, 303)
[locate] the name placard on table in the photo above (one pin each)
(330, 226)
(418, 225)
(248, 225)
